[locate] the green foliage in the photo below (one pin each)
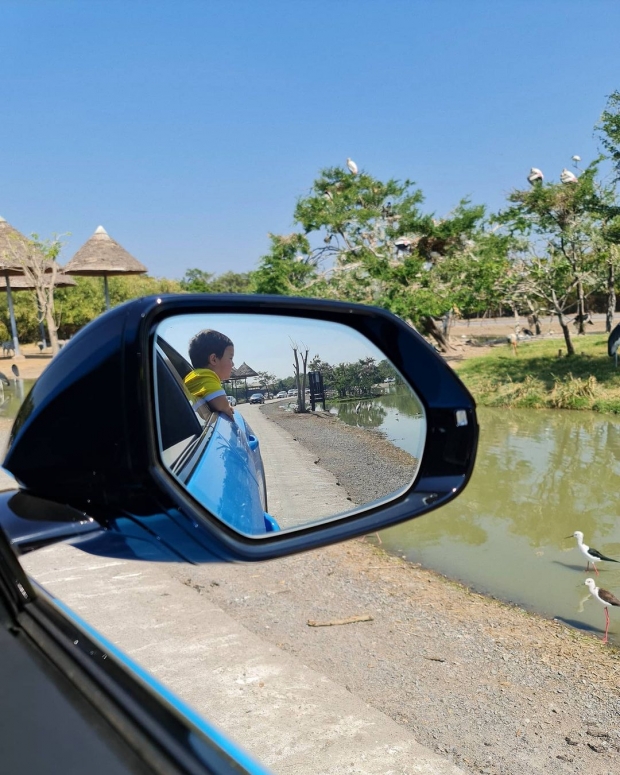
(352, 379)
(539, 378)
(608, 130)
(287, 268)
(199, 281)
(369, 241)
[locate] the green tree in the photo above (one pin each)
(369, 241)
(199, 281)
(608, 130)
(563, 222)
(266, 380)
(288, 269)
(38, 262)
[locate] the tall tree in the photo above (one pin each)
(563, 221)
(369, 241)
(288, 268)
(608, 130)
(40, 268)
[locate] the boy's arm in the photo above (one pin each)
(220, 404)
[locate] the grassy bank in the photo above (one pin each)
(538, 378)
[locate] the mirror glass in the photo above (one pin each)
(273, 423)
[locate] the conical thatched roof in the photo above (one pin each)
(21, 283)
(242, 372)
(14, 249)
(101, 255)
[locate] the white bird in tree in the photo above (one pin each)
(566, 176)
(535, 176)
(576, 158)
(352, 166)
(592, 555)
(403, 244)
(605, 598)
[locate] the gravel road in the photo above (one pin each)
(365, 464)
(489, 686)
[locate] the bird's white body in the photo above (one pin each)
(352, 166)
(605, 598)
(566, 176)
(535, 176)
(592, 555)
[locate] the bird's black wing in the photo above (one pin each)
(600, 556)
(608, 598)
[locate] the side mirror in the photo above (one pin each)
(125, 426)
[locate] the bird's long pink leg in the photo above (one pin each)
(606, 625)
(595, 570)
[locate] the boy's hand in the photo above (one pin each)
(220, 404)
(229, 411)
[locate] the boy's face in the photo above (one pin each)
(223, 366)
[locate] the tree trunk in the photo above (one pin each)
(581, 309)
(300, 380)
(52, 330)
(570, 350)
(611, 298)
(430, 328)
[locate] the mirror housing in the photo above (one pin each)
(86, 433)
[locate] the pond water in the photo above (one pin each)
(539, 476)
(12, 396)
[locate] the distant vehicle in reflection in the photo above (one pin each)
(231, 400)
(256, 398)
(282, 394)
(292, 392)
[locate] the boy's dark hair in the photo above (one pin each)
(206, 343)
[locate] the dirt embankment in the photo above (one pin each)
(489, 686)
(492, 688)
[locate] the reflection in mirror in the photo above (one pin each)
(274, 423)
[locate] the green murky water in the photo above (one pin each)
(12, 396)
(539, 476)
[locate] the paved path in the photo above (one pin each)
(290, 717)
(298, 490)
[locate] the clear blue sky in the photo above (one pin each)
(189, 128)
(264, 342)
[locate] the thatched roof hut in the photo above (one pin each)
(15, 249)
(102, 256)
(243, 372)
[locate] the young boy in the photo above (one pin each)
(211, 354)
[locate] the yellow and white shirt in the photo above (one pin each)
(204, 384)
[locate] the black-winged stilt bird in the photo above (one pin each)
(592, 555)
(14, 369)
(605, 598)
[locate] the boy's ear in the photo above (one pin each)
(213, 359)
